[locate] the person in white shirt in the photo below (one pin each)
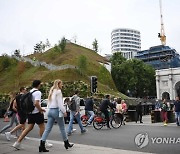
(56, 112)
(36, 117)
(119, 110)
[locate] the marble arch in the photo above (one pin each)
(168, 83)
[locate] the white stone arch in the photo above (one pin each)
(177, 88)
(168, 80)
(165, 95)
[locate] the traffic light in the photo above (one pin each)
(93, 84)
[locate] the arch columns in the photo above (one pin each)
(166, 81)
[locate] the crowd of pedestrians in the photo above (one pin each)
(57, 112)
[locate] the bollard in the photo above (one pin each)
(152, 117)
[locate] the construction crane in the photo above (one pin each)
(162, 35)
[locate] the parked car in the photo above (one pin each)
(44, 105)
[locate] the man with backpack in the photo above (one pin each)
(36, 116)
(74, 107)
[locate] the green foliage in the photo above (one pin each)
(62, 44)
(82, 64)
(5, 62)
(39, 47)
(104, 76)
(56, 48)
(10, 81)
(133, 77)
(117, 59)
(95, 45)
(68, 88)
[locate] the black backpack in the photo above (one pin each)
(72, 104)
(26, 103)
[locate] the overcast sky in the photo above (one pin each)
(23, 23)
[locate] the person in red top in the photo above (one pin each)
(124, 109)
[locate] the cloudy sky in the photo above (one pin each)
(23, 23)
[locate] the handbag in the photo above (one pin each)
(61, 115)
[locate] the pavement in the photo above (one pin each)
(30, 145)
(147, 122)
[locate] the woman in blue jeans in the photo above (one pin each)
(56, 112)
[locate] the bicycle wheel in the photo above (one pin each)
(97, 123)
(84, 120)
(116, 122)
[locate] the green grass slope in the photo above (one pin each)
(21, 74)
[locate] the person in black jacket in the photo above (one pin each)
(89, 108)
(104, 106)
(139, 112)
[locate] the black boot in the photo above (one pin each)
(67, 144)
(42, 147)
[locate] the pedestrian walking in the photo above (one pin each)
(177, 110)
(139, 110)
(57, 112)
(35, 117)
(22, 116)
(12, 113)
(164, 109)
(75, 113)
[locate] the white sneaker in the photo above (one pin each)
(48, 145)
(73, 130)
(17, 145)
(8, 136)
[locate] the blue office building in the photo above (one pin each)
(160, 57)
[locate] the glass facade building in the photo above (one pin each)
(160, 57)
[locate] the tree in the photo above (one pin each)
(117, 59)
(62, 44)
(37, 48)
(47, 44)
(95, 45)
(17, 53)
(133, 77)
(82, 64)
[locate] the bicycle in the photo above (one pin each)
(85, 118)
(100, 121)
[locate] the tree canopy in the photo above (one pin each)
(133, 77)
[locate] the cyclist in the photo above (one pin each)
(89, 106)
(104, 108)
